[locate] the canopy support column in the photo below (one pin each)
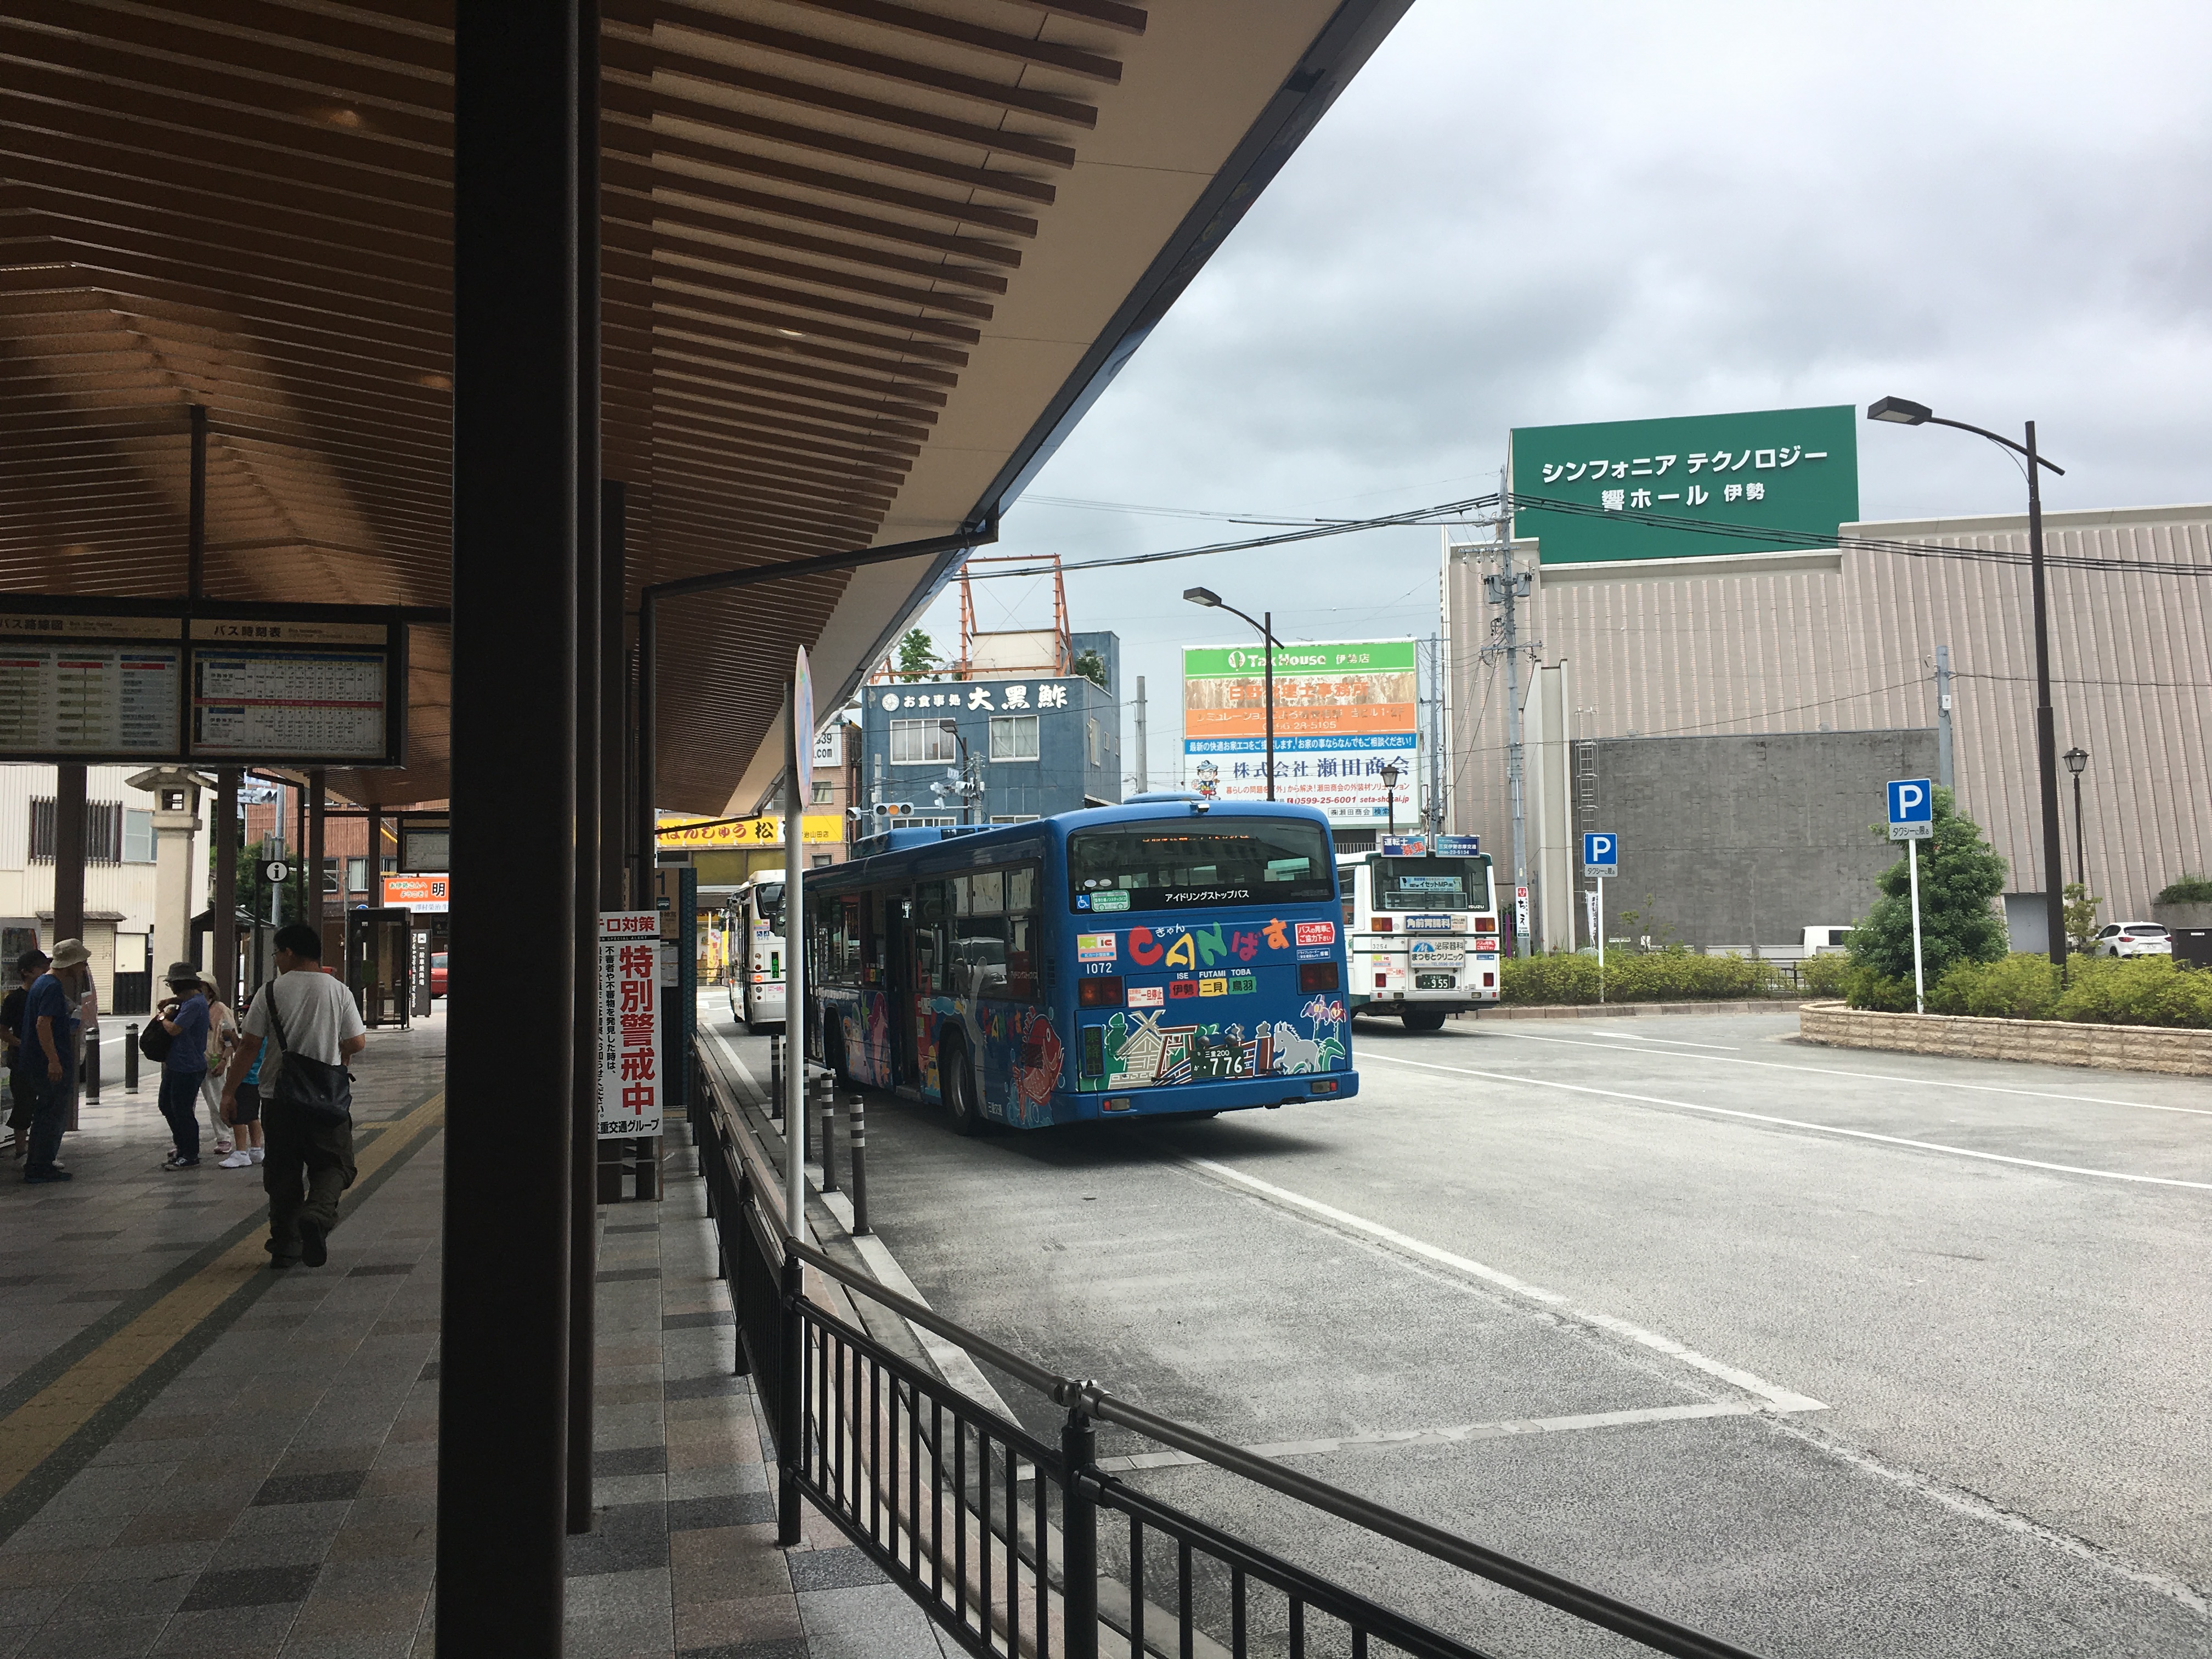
(503, 1418)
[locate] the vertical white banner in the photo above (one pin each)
(628, 1038)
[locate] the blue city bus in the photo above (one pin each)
(1166, 957)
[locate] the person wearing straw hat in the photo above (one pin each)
(223, 1037)
(184, 1018)
(50, 1021)
(23, 1086)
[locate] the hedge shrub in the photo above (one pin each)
(2188, 889)
(1658, 976)
(2108, 991)
(1824, 976)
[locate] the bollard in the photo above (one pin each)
(775, 1078)
(858, 1128)
(92, 1065)
(827, 1088)
(130, 1060)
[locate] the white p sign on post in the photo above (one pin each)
(1911, 808)
(1913, 820)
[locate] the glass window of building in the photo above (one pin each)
(1014, 738)
(918, 743)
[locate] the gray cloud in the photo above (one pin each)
(1520, 216)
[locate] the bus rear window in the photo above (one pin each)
(1431, 883)
(1193, 862)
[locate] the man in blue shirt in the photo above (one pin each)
(185, 1020)
(50, 1033)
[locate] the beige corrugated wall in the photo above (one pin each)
(1853, 646)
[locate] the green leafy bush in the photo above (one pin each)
(1869, 988)
(1824, 976)
(2015, 987)
(2188, 889)
(1659, 976)
(2136, 991)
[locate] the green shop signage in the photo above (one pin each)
(1364, 657)
(1618, 485)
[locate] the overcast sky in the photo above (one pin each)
(1520, 216)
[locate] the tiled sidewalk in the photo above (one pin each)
(262, 1479)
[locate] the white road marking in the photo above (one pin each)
(1799, 1123)
(1499, 1431)
(1775, 1399)
(1886, 1077)
(1645, 1036)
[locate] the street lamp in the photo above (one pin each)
(1212, 600)
(965, 786)
(1902, 411)
(1390, 796)
(2077, 762)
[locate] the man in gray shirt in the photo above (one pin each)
(309, 1161)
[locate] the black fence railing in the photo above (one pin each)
(997, 1534)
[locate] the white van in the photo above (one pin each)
(1826, 941)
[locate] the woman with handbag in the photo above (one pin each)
(301, 1030)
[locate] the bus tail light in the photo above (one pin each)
(1384, 925)
(1105, 991)
(1316, 976)
(1486, 924)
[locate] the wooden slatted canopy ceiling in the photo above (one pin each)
(864, 264)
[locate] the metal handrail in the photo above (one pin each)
(1594, 1606)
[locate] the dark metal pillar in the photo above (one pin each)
(375, 858)
(317, 901)
(614, 692)
(503, 1422)
(643, 824)
(69, 856)
(196, 520)
(584, 1080)
(300, 912)
(2046, 724)
(222, 907)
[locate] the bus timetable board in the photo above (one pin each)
(297, 688)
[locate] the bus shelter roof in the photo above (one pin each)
(864, 264)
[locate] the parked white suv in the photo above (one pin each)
(2134, 938)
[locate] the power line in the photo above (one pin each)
(1445, 512)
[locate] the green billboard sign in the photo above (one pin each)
(1618, 483)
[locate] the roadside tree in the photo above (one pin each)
(1960, 875)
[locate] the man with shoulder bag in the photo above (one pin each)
(302, 1029)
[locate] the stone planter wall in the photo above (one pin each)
(2049, 1041)
(2178, 916)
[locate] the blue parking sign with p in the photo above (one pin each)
(1601, 853)
(1911, 808)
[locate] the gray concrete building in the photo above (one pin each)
(1846, 642)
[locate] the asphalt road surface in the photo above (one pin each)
(1827, 1352)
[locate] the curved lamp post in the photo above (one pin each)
(2077, 762)
(1212, 600)
(1390, 796)
(1902, 411)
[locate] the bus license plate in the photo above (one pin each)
(1435, 982)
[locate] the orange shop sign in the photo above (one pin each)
(415, 892)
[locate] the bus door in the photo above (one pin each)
(927, 956)
(898, 982)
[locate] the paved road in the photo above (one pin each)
(1886, 1354)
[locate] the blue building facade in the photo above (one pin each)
(1037, 744)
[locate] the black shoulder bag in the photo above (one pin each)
(323, 1091)
(154, 1040)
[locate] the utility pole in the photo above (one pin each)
(1943, 716)
(1434, 816)
(1506, 590)
(1143, 766)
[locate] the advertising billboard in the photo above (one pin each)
(1725, 475)
(1344, 709)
